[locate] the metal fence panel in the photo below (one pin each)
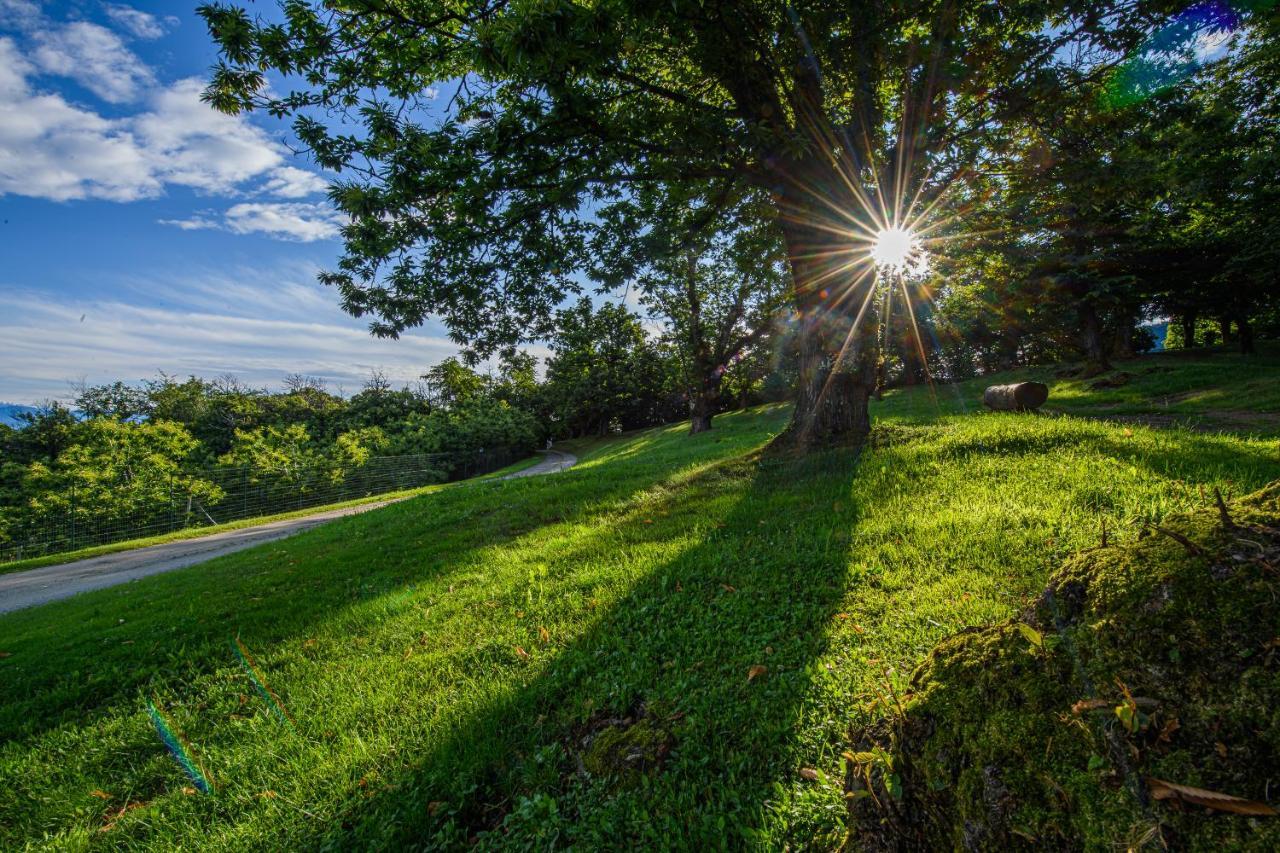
(217, 495)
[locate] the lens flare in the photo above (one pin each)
(1198, 35)
(898, 251)
(179, 749)
(260, 682)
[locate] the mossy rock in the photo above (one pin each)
(624, 753)
(1158, 658)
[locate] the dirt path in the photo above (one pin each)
(50, 583)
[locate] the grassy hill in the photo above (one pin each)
(665, 646)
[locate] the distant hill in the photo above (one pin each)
(9, 413)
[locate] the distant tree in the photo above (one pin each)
(451, 383)
(116, 400)
(114, 475)
(378, 404)
(43, 433)
(717, 276)
(604, 372)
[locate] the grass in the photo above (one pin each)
(1204, 388)
(195, 532)
(643, 651)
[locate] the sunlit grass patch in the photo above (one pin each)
(449, 661)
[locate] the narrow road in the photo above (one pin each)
(19, 590)
(555, 462)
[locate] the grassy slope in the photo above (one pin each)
(196, 532)
(1204, 388)
(994, 750)
(408, 643)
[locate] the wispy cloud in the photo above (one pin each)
(139, 23)
(259, 325)
(302, 223)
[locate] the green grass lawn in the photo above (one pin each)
(1204, 388)
(643, 651)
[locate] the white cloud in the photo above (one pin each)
(95, 58)
(19, 14)
(191, 144)
(292, 182)
(259, 325)
(303, 223)
(141, 24)
(50, 148)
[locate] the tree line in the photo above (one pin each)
(133, 454)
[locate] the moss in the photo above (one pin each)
(626, 752)
(990, 751)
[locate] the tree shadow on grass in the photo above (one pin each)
(83, 668)
(255, 593)
(667, 722)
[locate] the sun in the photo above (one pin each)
(894, 249)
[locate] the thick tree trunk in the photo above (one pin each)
(1188, 323)
(837, 325)
(702, 405)
(1095, 352)
(1224, 325)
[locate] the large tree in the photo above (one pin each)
(556, 111)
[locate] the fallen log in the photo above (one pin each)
(1018, 397)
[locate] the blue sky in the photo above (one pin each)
(140, 231)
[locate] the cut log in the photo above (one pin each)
(1018, 397)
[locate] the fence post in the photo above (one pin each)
(73, 518)
(244, 490)
(173, 515)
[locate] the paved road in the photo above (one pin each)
(38, 586)
(555, 462)
(50, 583)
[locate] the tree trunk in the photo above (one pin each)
(1122, 347)
(702, 405)
(1188, 322)
(1246, 335)
(1091, 338)
(837, 327)
(1224, 324)
(1007, 352)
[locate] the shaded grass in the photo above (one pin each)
(432, 709)
(1025, 731)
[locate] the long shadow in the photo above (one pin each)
(706, 659)
(172, 629)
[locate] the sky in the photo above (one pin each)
(140, 231)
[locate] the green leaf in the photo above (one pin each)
(1033, 636)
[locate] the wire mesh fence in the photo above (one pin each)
(133, 507)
